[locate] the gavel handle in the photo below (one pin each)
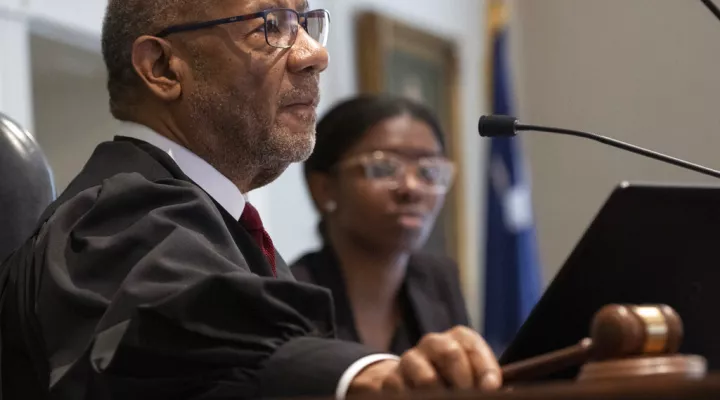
(548, 363)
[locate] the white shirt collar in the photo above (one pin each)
(205, 175)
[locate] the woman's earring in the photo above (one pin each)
(330, 206)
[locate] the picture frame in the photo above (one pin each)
(396, 58)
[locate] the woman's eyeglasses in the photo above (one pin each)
(281, 25)
(432, 174)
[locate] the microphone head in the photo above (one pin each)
(497, 126)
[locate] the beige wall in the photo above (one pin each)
(70, 105)
(644, 71)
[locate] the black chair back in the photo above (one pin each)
(26, 185)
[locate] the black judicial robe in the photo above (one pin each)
(137, 285)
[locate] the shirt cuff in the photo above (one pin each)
(354, 369)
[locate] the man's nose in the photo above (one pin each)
(307, 55)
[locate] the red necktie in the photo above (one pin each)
(250, 219)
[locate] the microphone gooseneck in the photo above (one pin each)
(712, 7)
(505, 126)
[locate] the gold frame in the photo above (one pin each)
(376, 36)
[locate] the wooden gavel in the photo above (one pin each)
(624, 341)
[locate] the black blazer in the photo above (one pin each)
(137, 285)
(431, 296)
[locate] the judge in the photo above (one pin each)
(151, 277)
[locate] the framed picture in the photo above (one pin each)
(403, 60)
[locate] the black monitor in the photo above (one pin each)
(649, 244)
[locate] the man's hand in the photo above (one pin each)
(457, 359)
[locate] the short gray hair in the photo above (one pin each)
(125, 21)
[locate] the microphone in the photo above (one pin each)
(506, 126)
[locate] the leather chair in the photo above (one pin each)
(26, 185)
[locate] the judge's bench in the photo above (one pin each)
(705, 389)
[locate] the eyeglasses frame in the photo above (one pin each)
(247, 17)
(361, 159)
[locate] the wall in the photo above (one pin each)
(84, 16)
(15, 91)
(644, 71)
(70, 105)
(74, 22)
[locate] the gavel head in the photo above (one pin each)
(619, 331)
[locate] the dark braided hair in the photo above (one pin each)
(349, 121)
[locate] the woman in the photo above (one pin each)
(378, 177)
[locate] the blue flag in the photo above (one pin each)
(512, 269)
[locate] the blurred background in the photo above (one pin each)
(642, 71)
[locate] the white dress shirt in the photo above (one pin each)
(222, 190)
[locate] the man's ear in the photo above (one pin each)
(322, 190)
(158, 67)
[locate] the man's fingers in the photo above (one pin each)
(459, 358)
(394, 383)
(418, 372)
(486, 369)
(449, 359)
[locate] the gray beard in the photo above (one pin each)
(242, 143)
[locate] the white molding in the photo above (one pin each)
(82, 15)
(11, 13)
(15, 79)
(59, 31)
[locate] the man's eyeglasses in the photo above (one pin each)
(432, 174)
(281, 25)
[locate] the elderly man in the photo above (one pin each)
(151, 277)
